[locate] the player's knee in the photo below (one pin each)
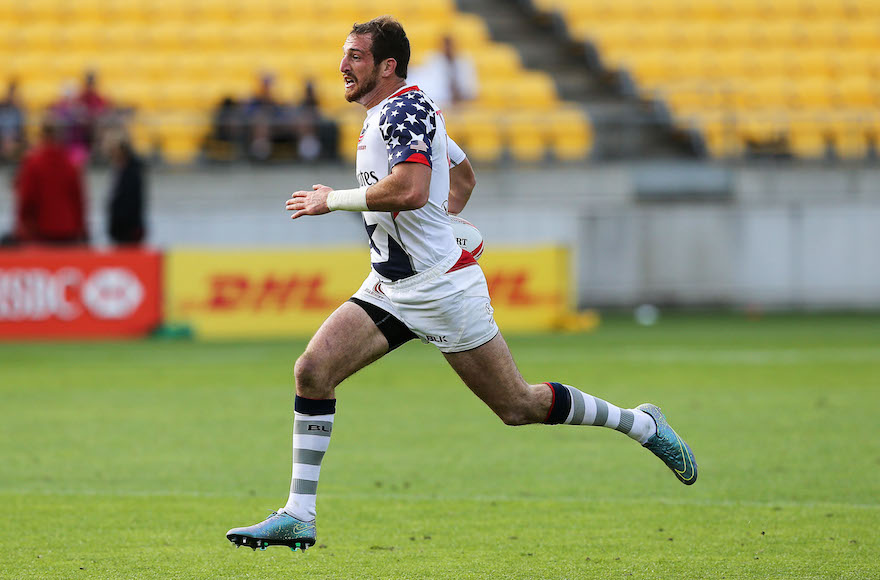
(311, 377)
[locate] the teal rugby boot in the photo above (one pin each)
(279, 529)
(668, 446)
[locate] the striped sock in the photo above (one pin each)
(312, 426)
(573, 407)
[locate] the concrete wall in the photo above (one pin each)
(800, 255)
(777, 236)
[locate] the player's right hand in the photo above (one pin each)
(312, 202)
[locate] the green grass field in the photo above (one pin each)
(131, 460)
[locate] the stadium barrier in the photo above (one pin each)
(79, 293)
(265, 294)
(230, 294)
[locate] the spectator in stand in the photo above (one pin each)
(12, 124)
(95, 107)
(265, 119)
(50, 201)
(316, 136)
(72, 120)
(446, 76)
(82, 115)
(228, 121)
(125, 205)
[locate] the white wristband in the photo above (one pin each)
(348, 199)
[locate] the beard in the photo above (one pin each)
(359, 89)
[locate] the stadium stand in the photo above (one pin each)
(790, 76)
(173, 62)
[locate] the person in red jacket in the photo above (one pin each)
(50, 201)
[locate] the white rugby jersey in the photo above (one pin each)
(406, 127)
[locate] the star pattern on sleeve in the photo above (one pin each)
(408, 126)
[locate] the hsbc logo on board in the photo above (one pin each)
(108, 293)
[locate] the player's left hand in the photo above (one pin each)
(309, 202)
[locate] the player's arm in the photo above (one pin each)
(461, 183)
(461, 178)
(407, 187)
(407, 128)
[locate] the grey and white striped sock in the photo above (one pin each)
(573, 407)
(311, 437)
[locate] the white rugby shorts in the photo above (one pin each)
(449, 309)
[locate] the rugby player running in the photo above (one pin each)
(421, 285)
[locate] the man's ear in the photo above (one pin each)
(389, 65)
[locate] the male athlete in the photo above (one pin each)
(422, 285)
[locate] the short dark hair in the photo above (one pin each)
(388, 41)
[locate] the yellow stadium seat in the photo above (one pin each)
(479, 134)
(128, 12)
(139, 95)
(142, 135)
(171, 59)
(179, 136)
(127, 36)
(43, 11)
(763, 129)
(812, 93)
(38, 37)
(498, 60)
(735, 35)
(83, 37)
(865, 9)
(822, 33)
(470, 32)
(167, 35)
(701, 10)
(857, 92)
(862, 35)
(771, 63)
(39, 94)
(532, 89)
(85, 11)
(494, 93)
(850, 139)
(767, 93)
(750, 61)
(813, 63)
(350, 126)
(807, 138)
(571, 136)
(721, 138)
(524, 133)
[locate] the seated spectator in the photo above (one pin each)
(265, 121)
(264, 127)
(227, 123)
(126, 201)
(446, 76)
(82, 115)
(226, 140)
(49, 197)
(12, 124)
(316, 136)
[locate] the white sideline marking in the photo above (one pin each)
(461, 498)
(722, 356)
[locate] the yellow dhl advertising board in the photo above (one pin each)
(264, 293)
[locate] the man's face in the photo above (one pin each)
(360, 73)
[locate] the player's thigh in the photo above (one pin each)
(491, 373)
(346, 342)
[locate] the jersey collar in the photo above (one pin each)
(402, 91)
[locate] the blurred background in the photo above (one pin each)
(673, 153)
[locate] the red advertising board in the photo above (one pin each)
(78, 293)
